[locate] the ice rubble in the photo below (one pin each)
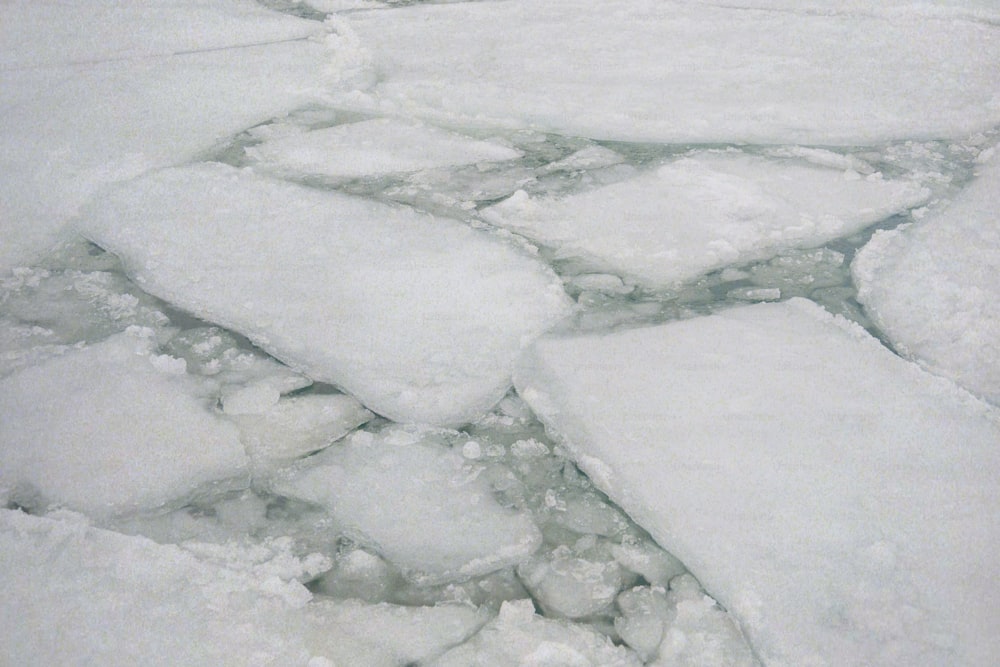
(646, 70)
(98, 92)
(421, 521)
(704, 211)
(934, 287)
(419, 317)
(838, 500)
(373, 147)
(111, 428)
(74, 594)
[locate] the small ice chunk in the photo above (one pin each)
(103, 430)
(768, 447)
(361, 575)
(933, 287)
(569, 586)
(419, 317)
(591, 157)
(755, 294)
(703, 212)
(644, 614)
(374, 147)
(699, 632)
(517, 636)
(647, 559)
(299, 425)
(434, 517)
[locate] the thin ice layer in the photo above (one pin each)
(703, 212)
(934, 288)
(434, 518)
(419, 317)
(837, 499)
(96, 92)
(374, 147)
(111, 428)
(80, 595)
(648, 70)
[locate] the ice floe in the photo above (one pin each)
(97, 92)
(704, 211)
(417, 316)
(74, 594)
(837, 499)
(112, 428)
(434, 518)
(646, 70)
(933, 287)
(371, 148)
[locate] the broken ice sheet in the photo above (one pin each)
(680, 72)
(837, 499)
(703, 212)
(933, 288)
(419, 317)
(117, 89)
(111, 428)
(373, 147)
(75, 593)
(406, 493)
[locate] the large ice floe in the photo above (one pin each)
(837, 499)
(934, 287)
(704, 211)
(81, 595)
(419, 317)
(646, 70)
(100, 92)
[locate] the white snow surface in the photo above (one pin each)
(112, 428)
(933, 287)
(702, 212)
(373, 147)
(76, 595)
(406, 493)
(649, 70)
(837, 499)
(100, 91)
(417, 316)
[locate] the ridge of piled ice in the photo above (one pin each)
(100, 91)
(815, 483)
(704, 211)
(679, 72)
(373, 147)
(74, 594)
(111, 428)
(933, 288)
(406, 493)
(419, 317)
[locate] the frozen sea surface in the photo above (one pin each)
(316, 226)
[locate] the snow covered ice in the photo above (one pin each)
(816, 483)
(269, 270)
(934, 287)
(724, 208)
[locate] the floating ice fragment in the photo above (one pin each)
(105, 430)
(434, 518)
(703, 212)
(371, 148)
